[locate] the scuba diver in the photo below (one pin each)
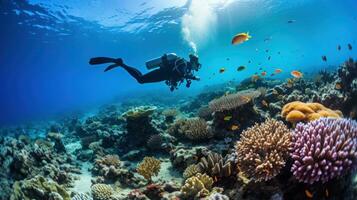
(171, 68)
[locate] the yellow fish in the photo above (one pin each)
(240, 38)
(234, 127)
(308, 194)
(227, 118)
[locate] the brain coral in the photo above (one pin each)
(233, 101)
(149, 167)
(102, 191)
(197, 186)
(298, 111)
(324, 149)
(263, 149)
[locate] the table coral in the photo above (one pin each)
(298, 111)
(149, 167)
(324, 149)
(263, 149)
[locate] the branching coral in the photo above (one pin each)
(298, 111)
(197, 186)
(233, 101)
(215, 166)
(102, 191)
(108, 160)
(263, 149)
(149, 167)
(324, 149)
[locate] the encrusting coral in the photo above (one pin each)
(298, 111)
(149, 167)
(38, 188)
(263, 149)
(102, 191)
(199, 185)
(215, 166)
(193, 128)
(324, 149)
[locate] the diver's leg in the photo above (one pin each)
(156, 75)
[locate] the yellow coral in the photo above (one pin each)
(148, 167)
(298, 111)
(199, 185)
(102, 191)
(191, 171)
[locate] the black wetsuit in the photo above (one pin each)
(173, 72)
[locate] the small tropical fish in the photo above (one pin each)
(324, 58)
(308, 194)
(279, 52)
(227, 118)
(227, 59)
(349, 46)
(260, 68)
(222, 70)
(234, 127)
(240, 38)
(296, 74)
(254, 78)
(267, 50)
(249, 61)
(272, 74)
(339, 47)
(269, 57)
(277, 71)
(291, 21)
(264, 103)
(241, 68)
(338, 86)
(263, 73)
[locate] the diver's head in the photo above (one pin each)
(194, 62)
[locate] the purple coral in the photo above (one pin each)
(324, 149)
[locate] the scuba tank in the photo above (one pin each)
(157, 62)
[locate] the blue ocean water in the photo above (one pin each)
(46, 45)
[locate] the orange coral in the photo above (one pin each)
(298, 111)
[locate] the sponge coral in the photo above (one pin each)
(298, 111)
(324, 149)
(149, 167)
(263, 149)
(197, 186)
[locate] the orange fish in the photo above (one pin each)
(240, 38)
(338, 86)
(265, 103)
(222, 70)
(277, 71)
(254, 78)
(308, 194)
(296, 74)
(264, 73)
(234, 127)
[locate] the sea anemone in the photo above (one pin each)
(324, 149)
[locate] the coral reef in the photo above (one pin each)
(149, 167)
(324, 149)
(102, 192)
(263, 149)
(298, 111)
(38, 188)
(195, 129)
(215, 166)
(197, 186)
(81, 196)
(190, 171)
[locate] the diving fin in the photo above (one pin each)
(111, 67)
(101, 60)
